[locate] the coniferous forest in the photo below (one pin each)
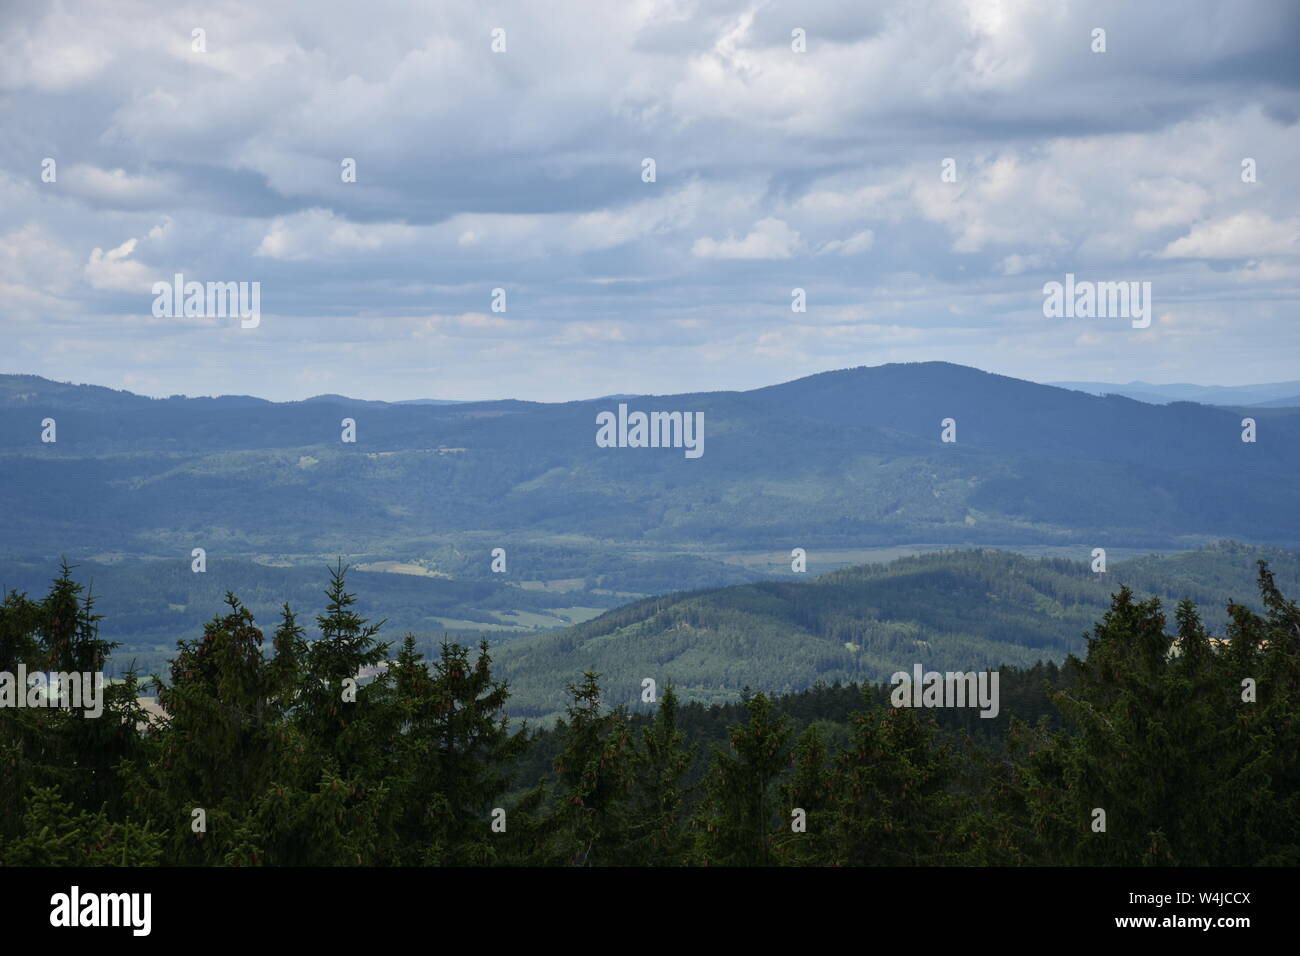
(267, 750)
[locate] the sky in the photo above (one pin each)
(221, 156)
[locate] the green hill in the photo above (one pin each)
(957, 610)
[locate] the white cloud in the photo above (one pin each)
(319, 233)
(1246, 235)
(769, 239)
(478, 170)
(587, 333)
(116, 271)
(1015, 264)
(854, 245)
(30, 256)
(115, 186)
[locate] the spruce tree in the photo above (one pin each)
(893, 792)
(591, 820)
(456, 752)
(810, 791)
(737, 821)
(218, 746)
(659, 766)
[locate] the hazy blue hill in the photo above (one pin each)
(1290, 401)
(957, 610)
(332, 399)
(32, 391)
(1231, 395)
(995, 412)
(848, 459)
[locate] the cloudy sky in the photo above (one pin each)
(522, 169)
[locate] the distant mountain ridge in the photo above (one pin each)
(1273, 395)
(18, 389)
(849, 458)
(1291, 401)
(1269, 394)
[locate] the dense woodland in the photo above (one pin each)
(1152, 725)
(951, 610)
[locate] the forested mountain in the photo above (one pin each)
(948, 611)
(843, 459)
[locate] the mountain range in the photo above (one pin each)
(846, 459)
(1270, 395)
(507, 520)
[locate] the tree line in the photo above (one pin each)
(1162, 746)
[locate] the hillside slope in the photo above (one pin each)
(959, 610)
